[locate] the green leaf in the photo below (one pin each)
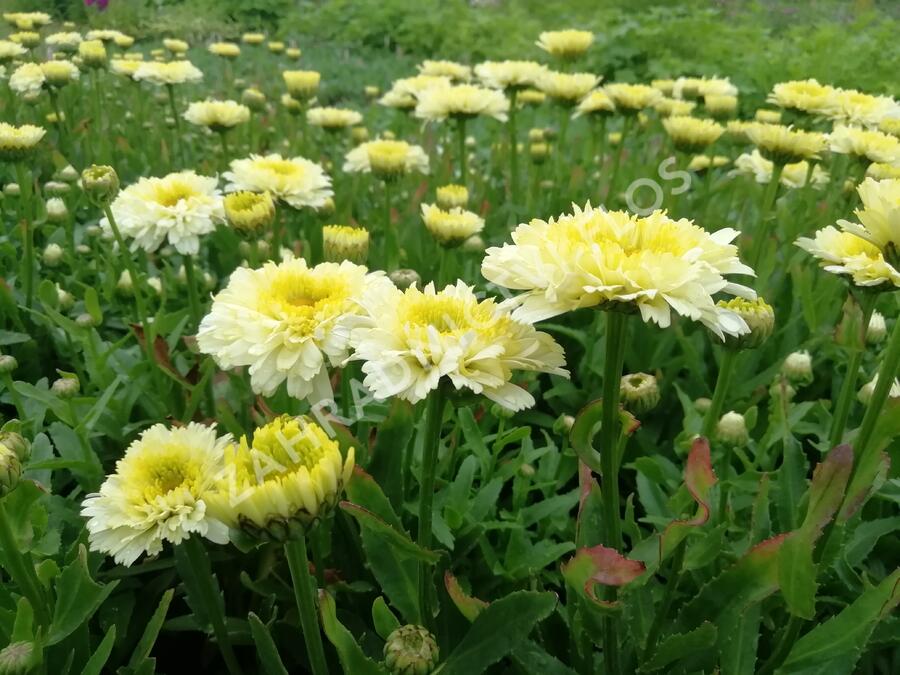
(352, 657)
(394, 434)
(498, 631)
(532, 658)
(738, 637)
(469, 606)
(699, 478)
(97, 662)
(680, 645)
(835, 645)
(23, 628)
(797, 577)
(265, 647)
(826, 491)
(583, 430)
(399, 541)
(600, 565)
(92, 305)
(77, 598)
(151, 630)
(383, 618)
(8, 337)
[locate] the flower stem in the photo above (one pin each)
(668, 596)
(434, 413)
(723, 381)
(463, 155)
(193, 297)
(305, 595)
(21, 568)
(211, 601)
(886, 375)
(848, 388)
(177, 122)
(513, 155)
(617, 161)
(391, 253)
(24, 178)
(136, 281)
(759, 240)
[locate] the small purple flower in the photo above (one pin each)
(101, 4)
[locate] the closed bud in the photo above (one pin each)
(452, 196)
(535, 135)
(732, 429)
(500, 412)
(8, 363)
(85, 320)
(797, 367)
(411, 650)
(639, 392)
(372, 91)
(474, 244)
(327, 208)
(254, 99)
(69, 174)
(405, 278)
(759, 317)
(538, 152)
(527, 470)
(82, 249)
(100, 184)
(702, 404)
(781, 389)
(865, 393)
(563, 425)
(249, 212)
(342, 242)
(10, 470)
(12, 190)
(52, 255)
(56, 188)
(64, 298)
(359, 135)
(56, 210)
(125, 284)
(877, 329)
(66, 387)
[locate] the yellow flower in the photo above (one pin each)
(567, 88)
(92, 53)
(176, 46)
(249, 212)
(33, 18)
(531, 97)
(18, 142)
(123, 41)
(278, 485)
(792, 175)
(767, 116)
(672, 106)
(404, 92)
(565, 44)
(60, 72)
(217, 115)
(292, 105)
(597, 102)
(510, 74)
(630, 98)
(174, 72)
(665, 86)
(720, 105)
(783, 144)
(613, 259)
(275, 47)
(854, 107)
(27, 79)
(704, 162)
(159, 492)
(254, 99)
(342, 242)
(253, 38)
(880, 171)
(386, 159)
(452, 196)
(178, 207)
(451, 227)
(889, 125)
(737, 130)
(293, 53)
(804, 95)
(700, 87)
(879, 217)
(27, 38)
(690, 134)
(759, 317)
(228, 50)
(126, 67)
(287, 322)
(65, 42)
(451, 69)
(11, 50)
(301, 84)
(333, 118)
(461, 101)
(873, 145)
(411, 340)
(845, 253)
(104, 34)
(297, 181)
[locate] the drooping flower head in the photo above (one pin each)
(286, 322)
(845, 253)
(598, 102)
(803, 95)
(409, 341)
(873, 145)
(849, 106)
(461, 101)
(632, 98)
(297, 181)
(879, 217)
(387, 159)
(785, 145)
(18, 142)
(596, 258)
(159, 492)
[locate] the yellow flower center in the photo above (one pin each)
(170, 193)
(303, 299)
(160, 471)
(282, 167)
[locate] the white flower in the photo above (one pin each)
(296, 181)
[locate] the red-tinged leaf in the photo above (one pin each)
(160, 351)
(469, 606)
(600, 565)
(826, 491)
(699, 478)
(866, 482)
(390, 535)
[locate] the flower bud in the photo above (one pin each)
(372, 91)
(82, 249)
(759, 317)
(639, 392)
(359, 134)
(66, 387)
(342, 242)
(328, 207)
(410, 650)
(52, 255)
(405, 278)
(100, 184)
(701, 405)
(85, 320)
(64, 298)
(563, 425)
(10, 470)
(865, 393)
(56, 188)
(8, 363)
(156, 284)
(474, 244)
(527, 470)
(877, 329)
(16, 443)
(535, 135)
(12, 190)
(254, 99)
(452, 196)
(797, 367)
(249, 212)
(68, 173)
(92, 53)
(125, 284)
(782, 389)
(732, 429)
(56, 210)
(538, 152)
(500, 412)
(18, 658)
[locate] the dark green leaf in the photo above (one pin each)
(265, 647)
(352, 657)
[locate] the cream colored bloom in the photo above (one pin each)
(700, 87)
(333, 118)
(409, 341)
(720, 105)
(228, 50)
(287, 322)
(890, 125)
(691, 134)
(565, 44)
(159, 493)
(405, 92)
(597, 102)
(567, 88)
(67, 42)
(633, 97)
(92, 53)
(59, 72)
(343, 242)
(792, 175)
(704, 162)
(179, 207)
(278, 485)
(451, 227)
(464, 100)
(785, 145)
(845, 253)
(276, 47)
(530, 97)
(253, 38)
(17, 142)
(849, 106)
(667, 107)
(597, 258)
(176, 46)
(217, 115)
(10, 50)
(879, 217)
(880, 171)
(125, 67)
(104, 34)
(387, 159)
(296, 181)
(249, 212)
(452, 196)
(804, 95)
(173, 72)
(873, 145)
(768, 116)
(28, 38)
(451, 69)
(27, 79)
(510, 74)
(301, 84)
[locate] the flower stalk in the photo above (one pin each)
(434, 413)
(305, 595)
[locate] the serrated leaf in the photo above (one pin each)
(352, 657)
(797, 576)
(469, 606)
(77, 598)
(826, 491)
(699, 478)
(266, 650)
(738, 637)
(400, 541)
(680, 645)
(151, 630)
(600, 565)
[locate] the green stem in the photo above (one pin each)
(886, 375)
(171, 90)
(668, 597)
(223, 136)
(193, 297)
(24, 178)
(463, 154)
(16, 399)
(434, 413)
(21, 568)
(769, 196)
(723, 473)
(561, 148)
(391, 253)
(305, 596)
(609, 434)
(848, 388)
(617, 161)
(723, 381)
(513, 155)
(211, 601)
